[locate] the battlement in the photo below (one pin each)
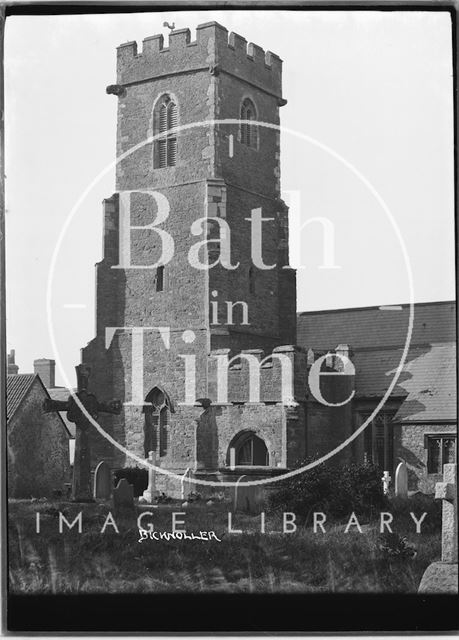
(333, 359)
(253, 376)
(214, 50)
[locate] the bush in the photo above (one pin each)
(162, 499)
(337, 491)
(394, 546)
(418, 504)
(136, 476)
(194, 496)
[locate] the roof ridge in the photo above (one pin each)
(404, 305)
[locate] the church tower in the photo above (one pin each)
(198, 148)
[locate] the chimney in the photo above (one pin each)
(344, 350)
(12, 366)
(44, 367)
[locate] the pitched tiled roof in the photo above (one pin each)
(374, 371)
(17, 387)
(377, 327)
(430, 381)
(377, 335)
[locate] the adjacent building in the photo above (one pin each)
(37, 443)
(417, 423)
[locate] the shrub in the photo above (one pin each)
(337, 491)
(136, 476)
(162, 499)
(392, 545)
(418, 504)
(194, 496)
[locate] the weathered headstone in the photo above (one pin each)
(401, 480)
(442, 577)
(102, 481)
(151, 492)
(123, 496)
(246, 496)
(386, 482)
(237, 494)
(186, 486)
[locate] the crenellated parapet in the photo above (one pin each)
(252, 376)
(214, 50)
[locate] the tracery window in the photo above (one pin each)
(441, 450)
(379, 440)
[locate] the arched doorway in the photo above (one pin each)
(157, 420)
(249, 450)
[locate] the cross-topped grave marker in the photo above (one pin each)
(81, 486)
(386, 482)
(441, 577)
(447, 491)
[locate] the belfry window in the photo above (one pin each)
(165, 118)
(249, 132)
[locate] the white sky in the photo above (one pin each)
(374, 87)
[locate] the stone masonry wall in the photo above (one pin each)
(409, 446)
(38, 449)
(207, 79)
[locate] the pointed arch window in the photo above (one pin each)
(157, 420)
(165, 119)
(248, 449)
(249, 132)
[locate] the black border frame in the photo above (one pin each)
(212, 613)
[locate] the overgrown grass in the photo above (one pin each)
(91, 562)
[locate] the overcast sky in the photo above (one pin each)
(375, 88)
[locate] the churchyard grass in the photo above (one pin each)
(91, 562)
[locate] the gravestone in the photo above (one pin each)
(102, 481)
(186, 484)
(123, 496)
(151, 492)
(236, 497)
(442, 577)
(246, 496)
(401, 481)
